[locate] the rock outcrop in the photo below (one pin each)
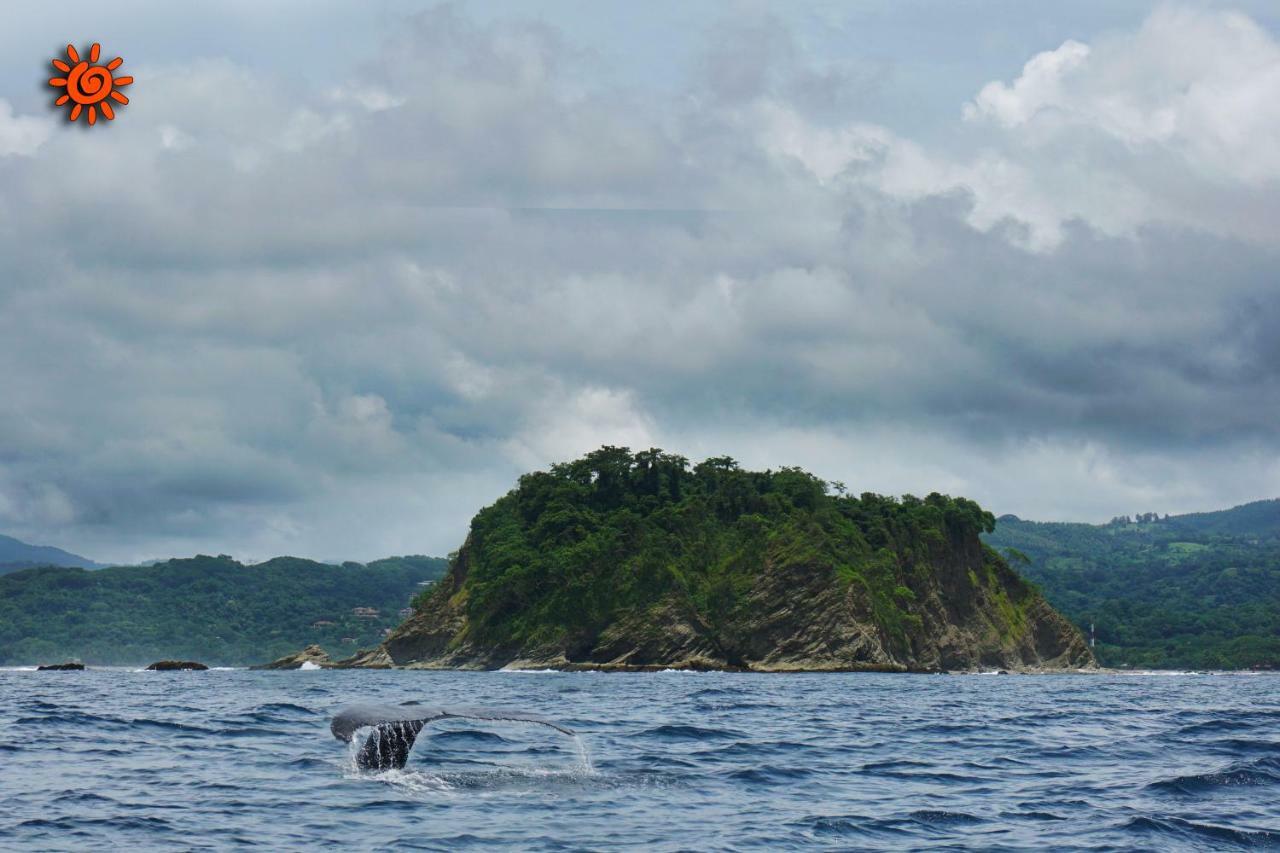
(312, 654)
(177, 666)
(794, 618)
(376, 658)
(58, 667)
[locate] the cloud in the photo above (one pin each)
(1202, 85)
(335, 320)
(1176, 123)
(1181, 119)
(21, 135)
(1039, 88)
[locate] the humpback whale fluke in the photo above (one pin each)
(396, 727)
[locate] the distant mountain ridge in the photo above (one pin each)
(1200, 590)
(1257, 519)
(1254, 519)
(16, 554)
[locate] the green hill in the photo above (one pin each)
(210, 609)
(1195, 591)
(628, 560)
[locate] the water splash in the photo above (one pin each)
(584, 756)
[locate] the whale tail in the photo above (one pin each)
(396, 727)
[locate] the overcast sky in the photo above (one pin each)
(342, 271)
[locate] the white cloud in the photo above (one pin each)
(1038, 88)
(21, 135)
(569, 424)
(1177, 122)
(1203, 85)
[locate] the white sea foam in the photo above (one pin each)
(309, 664)
(1161, 672)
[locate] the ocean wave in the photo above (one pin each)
(1221, 724)
(1239, 744)
(687, 732)
(704, 692)
(63, 824)
(306, 763)
(1194, 832)
(85, 719)
(893, 764)
(287, 708)
(1264, 771)
(940, 817)
(83, 797)
(850, 825)
(767, 774)
(1033, 815)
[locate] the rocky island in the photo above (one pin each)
(640, 561)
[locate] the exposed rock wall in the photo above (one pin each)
(973, 613)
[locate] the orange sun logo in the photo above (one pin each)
(89, 85)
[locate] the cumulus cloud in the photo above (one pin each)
(21, 135)
(337, 320)
(1181, 119)
(1202, 85)
(1038, 88)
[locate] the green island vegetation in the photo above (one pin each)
(1198, 591)
(210, 609)
(575, 549)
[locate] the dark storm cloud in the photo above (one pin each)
(337, 321)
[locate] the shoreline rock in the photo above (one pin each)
(797, 619)
(375, 658)
(177, 666)
(70, 666)
(311, 654)
(701, 666)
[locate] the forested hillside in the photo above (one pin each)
(210, 609)
(634, 560)
(1190, 591)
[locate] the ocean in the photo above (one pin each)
(116, 758)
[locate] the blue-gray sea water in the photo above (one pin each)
(667, 761)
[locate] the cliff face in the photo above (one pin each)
(604, 564)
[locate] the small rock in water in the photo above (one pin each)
(174, 665)
(60, 666)
(311, 654)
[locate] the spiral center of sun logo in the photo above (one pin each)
(88, 87)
